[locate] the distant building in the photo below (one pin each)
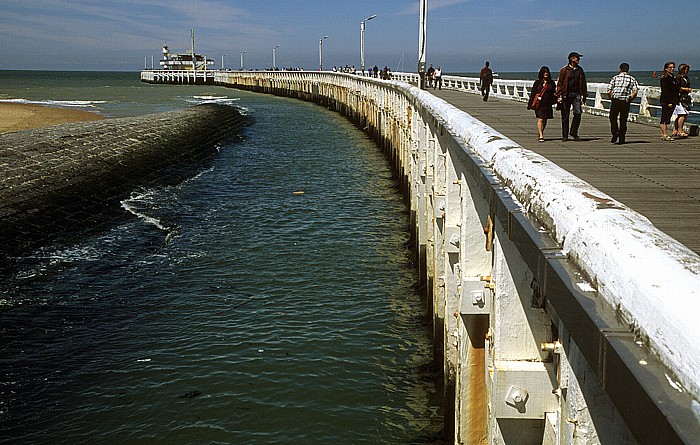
(189, 61)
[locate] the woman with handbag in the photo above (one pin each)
(542, 98)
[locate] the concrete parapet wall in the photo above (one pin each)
(559, 315)
(61, 177)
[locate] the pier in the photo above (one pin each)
(562, 279)
(184, 77)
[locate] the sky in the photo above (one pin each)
(514, 35)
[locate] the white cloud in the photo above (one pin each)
(543, 24)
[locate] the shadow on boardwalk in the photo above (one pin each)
(660, 180)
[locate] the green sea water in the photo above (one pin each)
(225, 309)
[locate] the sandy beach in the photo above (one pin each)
(14, 117)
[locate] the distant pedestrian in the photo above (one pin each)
(670, 95)
(572, 92)
(375, 70)
(486, 79)
(438, 78)
(542, 98)
(384, 73)
(623, 88)
(684, 99)
(431, 75)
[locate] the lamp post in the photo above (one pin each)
(362, 41)
(422, 42)
(274, 57)
(222, 62)
(242, 59)
(320, 52)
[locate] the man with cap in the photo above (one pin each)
(571, 92)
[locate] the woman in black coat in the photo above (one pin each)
(542, 98)
(670, 95)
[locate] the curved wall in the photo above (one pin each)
(61, 177)
(536, 281)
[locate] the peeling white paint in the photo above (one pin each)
(585, 287)
(651, 277)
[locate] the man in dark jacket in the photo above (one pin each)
(486, 78)
(571, 91)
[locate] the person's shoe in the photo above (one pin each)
(564, 139)
(541, 139)
(622, 141)
(666, 138)
(613, 139)
(575, 137)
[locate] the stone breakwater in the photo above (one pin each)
(66, 177)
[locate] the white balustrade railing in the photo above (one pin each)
(178, 76)
(644, 108)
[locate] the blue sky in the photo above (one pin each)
(514, 35)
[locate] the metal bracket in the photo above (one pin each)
(523, 390)
(474, 297)
(452, 239)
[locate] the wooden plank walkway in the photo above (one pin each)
(660, 180)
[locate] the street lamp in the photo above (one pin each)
(362, 41)
(222, 61)
(274, 57)
(242, 59)
(422, 43)
(320, 52)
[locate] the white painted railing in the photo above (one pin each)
(178, 76)
(644, 108)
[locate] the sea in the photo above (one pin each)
(269, 298)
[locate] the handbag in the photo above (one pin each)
(536, 100)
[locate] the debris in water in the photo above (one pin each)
(298, 192)
(190, 395)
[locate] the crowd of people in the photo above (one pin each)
(569, 93)
(384, 74)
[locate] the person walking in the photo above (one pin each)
(670, 95)
(438, 78)
(486, 79)
(684, 99)
(542, 98)
(572, 92)
(431, 74)
(622, 89)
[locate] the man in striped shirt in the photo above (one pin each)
(622, 89)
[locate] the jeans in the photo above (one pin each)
(566, 104)
(619, 108)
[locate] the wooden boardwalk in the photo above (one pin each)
(660, 180)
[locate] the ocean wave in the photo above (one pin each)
(208, 99)
(135, 205)
(140, 203)
(58, 103)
